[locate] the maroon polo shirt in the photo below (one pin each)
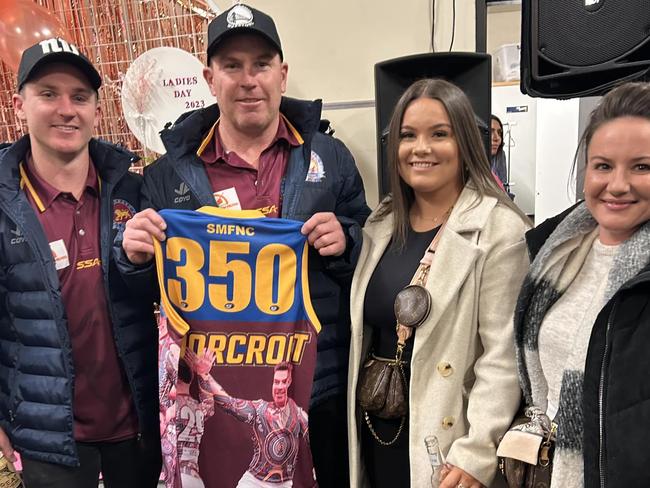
(103, 407)
(234, 180)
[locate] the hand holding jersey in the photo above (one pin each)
(139, 234)
(324, 232)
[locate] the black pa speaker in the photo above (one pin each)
(575, 48)
(471, 72)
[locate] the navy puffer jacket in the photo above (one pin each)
(36, 368)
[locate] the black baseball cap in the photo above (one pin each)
(55, 50)
(238, 19)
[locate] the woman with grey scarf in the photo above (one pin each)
(583, 316)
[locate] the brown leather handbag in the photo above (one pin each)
(532, 441)
(382, 388)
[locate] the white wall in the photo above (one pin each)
(546, 136)
(557, 140)
(522, 126)
(504, 26)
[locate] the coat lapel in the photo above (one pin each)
(455, 258)
(456, 255)
(376, 237)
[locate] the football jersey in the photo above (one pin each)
(234, 289)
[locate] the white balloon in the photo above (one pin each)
(159, 86)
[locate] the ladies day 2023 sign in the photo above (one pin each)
(159, 86)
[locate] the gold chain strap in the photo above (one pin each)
(376, 436)
(398, 364)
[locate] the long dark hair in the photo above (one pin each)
(498, 120)
(475, 167)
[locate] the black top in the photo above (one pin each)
(394, 271)
(389, 466)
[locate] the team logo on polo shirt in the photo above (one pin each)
(316, 171)
(122, 212)
(240, 16)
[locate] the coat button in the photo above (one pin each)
(448, 422)
(445, 369)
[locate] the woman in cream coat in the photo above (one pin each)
(463, 385)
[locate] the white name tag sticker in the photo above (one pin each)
(227, 198)
(60, 254)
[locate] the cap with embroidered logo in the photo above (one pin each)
(55, 50)
(239, 19)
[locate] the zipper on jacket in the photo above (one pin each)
(601, 401)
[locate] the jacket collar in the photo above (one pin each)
(184, 137)
(470, 214)
(536, 237)
(642, 277)
(111, 163)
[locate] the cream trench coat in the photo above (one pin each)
(463, 386)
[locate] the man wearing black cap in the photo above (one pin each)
(78, 387)
(256, 149)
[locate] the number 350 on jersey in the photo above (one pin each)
(224, 265)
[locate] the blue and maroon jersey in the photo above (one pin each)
(235, 295)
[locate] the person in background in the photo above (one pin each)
(460, 362)
(259, 150)
(498, 163)
(78, 393)
(583, 315)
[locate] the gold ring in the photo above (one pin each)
(460, 485)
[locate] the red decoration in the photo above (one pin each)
(23, 23)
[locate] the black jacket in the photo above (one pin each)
(616, 395)
(36, 367)
(179, 180)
